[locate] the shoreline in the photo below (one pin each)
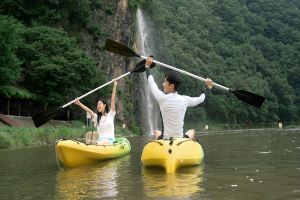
(21, 137)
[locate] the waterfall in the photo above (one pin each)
(150, 110)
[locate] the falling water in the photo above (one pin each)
(150, 110)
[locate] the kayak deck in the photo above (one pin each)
(172, 154)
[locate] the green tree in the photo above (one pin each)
(10, 69)
(10, 37)
(251, 45)
(54, 68)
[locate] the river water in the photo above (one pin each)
(237, 165)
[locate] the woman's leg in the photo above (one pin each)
(91, 137)
(157, 133)
(104, 142)
(191, 134)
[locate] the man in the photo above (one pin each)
(172, 105)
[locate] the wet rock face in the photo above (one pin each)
(115, 21)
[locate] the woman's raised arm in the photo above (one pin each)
(113, 97)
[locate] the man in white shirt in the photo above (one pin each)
(172, 105)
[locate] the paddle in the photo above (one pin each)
(44, 116)
(245, 96)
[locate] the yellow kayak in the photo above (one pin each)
(73, 153)
(172, 154)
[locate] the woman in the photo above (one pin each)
(104, 119)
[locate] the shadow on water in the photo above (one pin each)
(92, 181)
(245, 165)
(27, 173)
(184, 183)
(256, 164)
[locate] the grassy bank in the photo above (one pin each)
(11, 137)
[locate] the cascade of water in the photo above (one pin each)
(150, 108)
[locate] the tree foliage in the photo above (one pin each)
(71, 14)
(46, 58)
(10, 31)
(10, 69)
(251, 45)
(54, 67)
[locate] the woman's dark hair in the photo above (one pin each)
(99, 114)
(173, 78)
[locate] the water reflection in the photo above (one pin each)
(91, 181)
(184, 183)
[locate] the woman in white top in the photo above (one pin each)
(104, 119)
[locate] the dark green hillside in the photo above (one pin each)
(52, 51)
(251, 45)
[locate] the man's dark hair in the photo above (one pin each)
(173, 78)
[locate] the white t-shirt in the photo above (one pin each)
(173, 107)
(106, 128)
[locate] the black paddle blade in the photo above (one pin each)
(140, 67)
(45, 116)
(248, 97)
(118, 48)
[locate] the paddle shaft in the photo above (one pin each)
(187, 73)
(90, 92)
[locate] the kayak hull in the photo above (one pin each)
(72, 153)
(172, 154)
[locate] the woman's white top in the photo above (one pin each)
(106, 128)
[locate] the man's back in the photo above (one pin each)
(173, 108)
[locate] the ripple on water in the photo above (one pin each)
(264, 152)
(296, 191)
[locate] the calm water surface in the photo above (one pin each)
(237, 165)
